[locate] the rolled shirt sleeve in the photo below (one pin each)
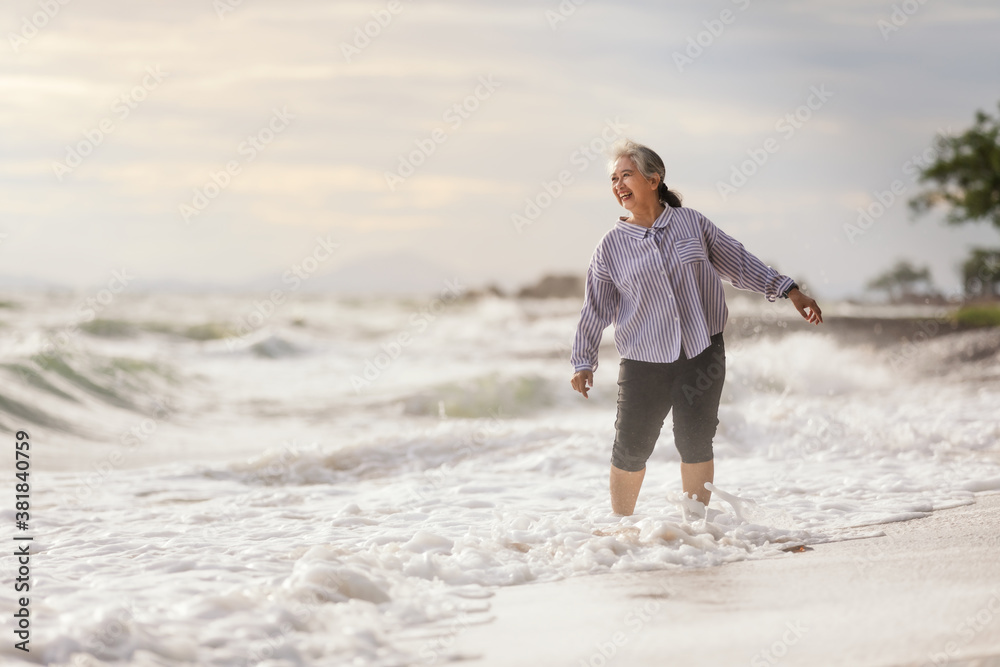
(600, 304)
(740, 267)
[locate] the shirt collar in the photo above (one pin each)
(640, 232)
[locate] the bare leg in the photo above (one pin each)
(625, 489)
(694, 476)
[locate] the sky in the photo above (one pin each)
(230, 142)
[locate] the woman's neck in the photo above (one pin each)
(646, 215)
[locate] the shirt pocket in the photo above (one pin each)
(690, 250)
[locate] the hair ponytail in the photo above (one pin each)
(667, 196)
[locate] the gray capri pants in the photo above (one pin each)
(646, 392)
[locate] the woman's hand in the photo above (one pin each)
(583, 381)
(806, 305)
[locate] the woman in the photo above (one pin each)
(656, 275)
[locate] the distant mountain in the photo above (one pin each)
(177, 286)
(388, 274)
(11, 283)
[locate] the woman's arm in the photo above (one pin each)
(745, 271)
(600, 304)
(739, 266)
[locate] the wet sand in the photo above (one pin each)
(925, 592)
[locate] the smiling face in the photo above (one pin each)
(630, 187)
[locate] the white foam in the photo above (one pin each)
(309, 523)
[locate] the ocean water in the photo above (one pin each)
(222, 480)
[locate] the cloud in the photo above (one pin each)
(355, 118)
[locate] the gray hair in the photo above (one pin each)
(648, 163)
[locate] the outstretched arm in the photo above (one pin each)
(745, 271)
(739, 266)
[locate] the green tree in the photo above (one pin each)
(900, 281)
(965, 176)
(981, 273)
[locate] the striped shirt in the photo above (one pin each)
(661, 287)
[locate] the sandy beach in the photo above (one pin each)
(924, 592)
